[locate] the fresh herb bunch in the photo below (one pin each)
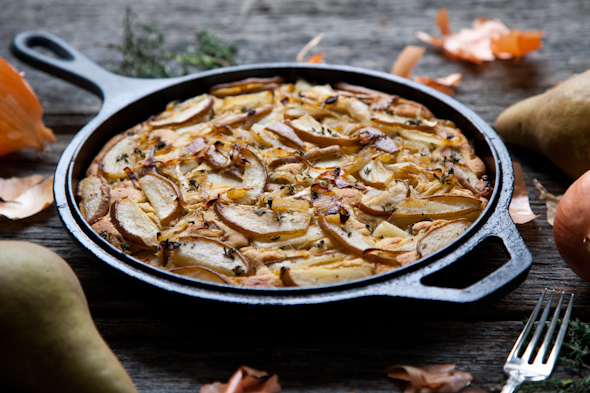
(576, 357)
(144, 57)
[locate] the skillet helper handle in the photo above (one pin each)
(509, 273)
(72, 66)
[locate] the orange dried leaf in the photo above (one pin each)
(516, 44)
(20, 114)
(245, 380)
(434, 378)
(520, 209)
(486, 39)
(442, 21)
(311, 44)
(444, 85)
(407, 60)
(551, 201)
(317, 58)
(22, 197)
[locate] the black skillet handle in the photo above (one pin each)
(504, 278)
(72, 66)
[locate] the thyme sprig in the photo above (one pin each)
(144, 57)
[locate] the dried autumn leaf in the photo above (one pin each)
(475, 44)
(245, 380)
(311, 44)
(317, 58)
(444, 85)
(551, 201)
(516, 44)
(22, 197)
(20, 113)
(407, 60)
(435, 378)
(520, 209)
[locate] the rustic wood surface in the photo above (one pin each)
(347, 349)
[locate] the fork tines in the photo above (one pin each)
(541, 323)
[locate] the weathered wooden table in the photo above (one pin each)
(178, 351)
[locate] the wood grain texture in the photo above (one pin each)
(340, 349)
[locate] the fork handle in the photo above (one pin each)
(511, 385)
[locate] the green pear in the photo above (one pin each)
(48, 341)
(555, 124)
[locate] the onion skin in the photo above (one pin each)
(571, 228)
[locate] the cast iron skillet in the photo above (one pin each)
(128, 101)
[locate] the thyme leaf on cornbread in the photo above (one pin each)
(144, 57)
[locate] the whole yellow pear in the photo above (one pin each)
(48, 341)
(555, 124)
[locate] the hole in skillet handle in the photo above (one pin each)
(483, 260)
(49, 48)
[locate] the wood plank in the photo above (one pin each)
(179, 349)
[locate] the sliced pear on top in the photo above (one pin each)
(325, 275)
(163, 195)
(404, 122)
(245, 86)
(97, 161)
(257, 222)
(120, 156)
(212, 254)
(441, 235)
(375, 174)
(96, 198)
(188, 114)
(383, 203)
(133, 223)
(310, 130)
(254, 177)
(245, 101)
(386, 229)
(201, 274)
(437, 206)
(283, 130)
(312, 236)
(424, 137)
(239, 118)
(346, 235)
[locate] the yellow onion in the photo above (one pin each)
(20, 114)
(571, 228)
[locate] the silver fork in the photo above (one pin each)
(518, 368)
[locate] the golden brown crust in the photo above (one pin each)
(308, 184)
